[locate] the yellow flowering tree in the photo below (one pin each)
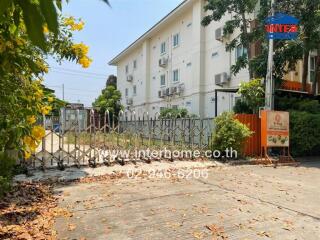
(22, 67)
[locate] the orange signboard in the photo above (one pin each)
(274, 129)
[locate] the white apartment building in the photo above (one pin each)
(179, 63)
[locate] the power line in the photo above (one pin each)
(77, 71)
(75, 89)
(79, 75)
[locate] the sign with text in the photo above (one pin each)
(275, 129)
(281, 26)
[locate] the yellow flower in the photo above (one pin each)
(31, 119)
(27, 155)
(45, 110)
(77, 26)
(85, 62)
(45, 69)
(30, 143)
(69, 21)
(50, 99)
(38, 132)
(80, 49)
(74, 26)
(38, 94)
(45, 29)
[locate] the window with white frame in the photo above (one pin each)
(175, 76)
(134, 90)
(127, 69)
(163, 80)
(163, 48)
(126, 92)
(176, 40)
(312, 69)
(241, 51)
(135, 64)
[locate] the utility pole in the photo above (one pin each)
(63, 92)
(269, 93)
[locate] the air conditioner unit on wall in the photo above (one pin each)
(181, 87)
(219, 34)
(129, 78)
(129, 101)
(221, 78)
(160, 94)
(173, 90)
(163, 62)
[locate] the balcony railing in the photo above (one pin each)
(295, 86)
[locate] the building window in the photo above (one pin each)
(175, 76)
(176, 40)
(127, 69)
(162, 80)
(312, 69)
(135, 64)
(126, 92)
(134, 90)
(241, 51)
(175, 106)
(163, 48)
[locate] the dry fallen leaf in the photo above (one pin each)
(217, 232)
(71, 227)
(28, 212)
(264, 234)
(198, 235)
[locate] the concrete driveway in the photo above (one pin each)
(245, 202)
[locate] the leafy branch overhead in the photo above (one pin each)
(36, 15)
(240, 20)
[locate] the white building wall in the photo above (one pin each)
(199, 57)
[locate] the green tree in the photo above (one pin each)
(288, 52)
(241, 9)
(252, 94)
(109, 99)
(23, 65)
(307, 11)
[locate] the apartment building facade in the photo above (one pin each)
(178, 63)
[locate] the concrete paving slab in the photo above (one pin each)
(244, 202)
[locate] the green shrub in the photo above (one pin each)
(229, 133)
(6, 171)
(252, 94)
(297, 104)
(175, 113)
(304, 134)
(241, 107)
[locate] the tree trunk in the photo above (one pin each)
(305, 70)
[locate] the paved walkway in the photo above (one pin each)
(245, 202)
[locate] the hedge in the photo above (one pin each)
(304, 134)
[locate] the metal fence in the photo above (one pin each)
(86, 137)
